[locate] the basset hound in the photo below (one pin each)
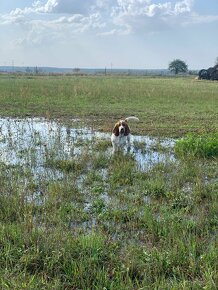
(121, 134)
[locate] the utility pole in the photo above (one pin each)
(12, 66)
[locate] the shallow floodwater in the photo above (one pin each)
(27, 142)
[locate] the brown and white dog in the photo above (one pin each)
(121, 134)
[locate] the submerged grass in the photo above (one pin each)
(105, 225)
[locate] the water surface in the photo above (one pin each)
(27, 142)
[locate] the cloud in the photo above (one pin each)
(37, 7)
(102, 17)
(183, 7)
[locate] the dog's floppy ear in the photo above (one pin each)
(116, 129)
(127, 130)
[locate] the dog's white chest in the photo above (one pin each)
(120, 142)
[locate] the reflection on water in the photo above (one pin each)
(28, 142)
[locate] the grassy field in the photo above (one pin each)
(165, 106)
(100, 222)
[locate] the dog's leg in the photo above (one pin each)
(128, 144)
(114, 146)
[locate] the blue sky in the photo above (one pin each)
(103, 33)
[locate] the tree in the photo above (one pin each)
(28, 70)
(216, 61)
(76, 70)
(177, 66)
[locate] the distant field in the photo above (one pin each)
(165, 106)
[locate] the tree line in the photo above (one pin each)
(179, 66)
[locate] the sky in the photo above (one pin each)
(132, 34)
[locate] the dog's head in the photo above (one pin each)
(121, 128)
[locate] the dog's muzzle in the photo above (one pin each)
(122, 130)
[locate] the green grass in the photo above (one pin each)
(123, 229)
(102, 223)
(165, 106)
(198, 145)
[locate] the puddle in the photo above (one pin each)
(27, 142)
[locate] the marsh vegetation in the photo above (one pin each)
(74, 216)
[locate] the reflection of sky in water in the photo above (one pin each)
(27, 141)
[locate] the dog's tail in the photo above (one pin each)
(131, 118)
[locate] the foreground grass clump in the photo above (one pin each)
(202, 146)
(39, 258)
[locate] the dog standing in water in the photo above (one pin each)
(121, 134)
